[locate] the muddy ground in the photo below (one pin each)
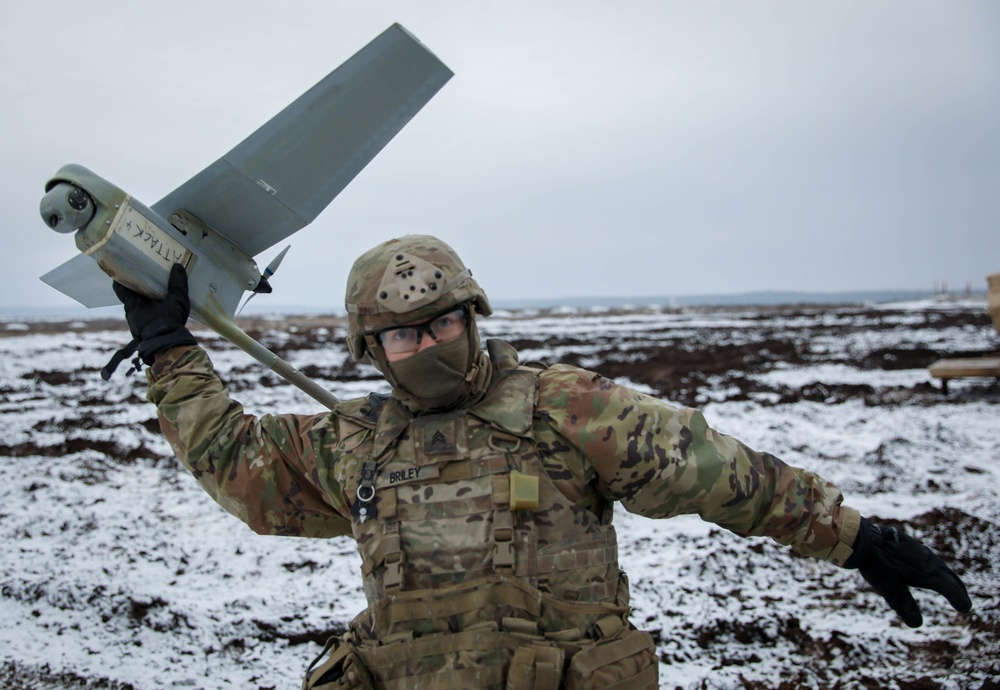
(721, 366)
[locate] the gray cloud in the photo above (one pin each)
(582, 149)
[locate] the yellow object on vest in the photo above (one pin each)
(523, 491)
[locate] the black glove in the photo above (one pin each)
(155, 324)
(892, 562)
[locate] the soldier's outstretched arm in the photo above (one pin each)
(659, 460)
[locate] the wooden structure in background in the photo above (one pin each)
(946, 369)
(993, 299)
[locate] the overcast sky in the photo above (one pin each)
(583, 148)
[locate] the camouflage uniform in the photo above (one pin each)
(488, 554)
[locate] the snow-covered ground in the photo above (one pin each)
(117, 570)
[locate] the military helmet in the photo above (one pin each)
(402, 281)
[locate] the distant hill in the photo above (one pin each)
(739, 299)
(259, 307)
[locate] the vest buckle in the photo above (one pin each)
(504, 555)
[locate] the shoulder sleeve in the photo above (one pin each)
(273, 472)
(660, 460)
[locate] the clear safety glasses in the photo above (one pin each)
(405, 340)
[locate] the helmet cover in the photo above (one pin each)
(405, 280)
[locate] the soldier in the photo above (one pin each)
(480, 492)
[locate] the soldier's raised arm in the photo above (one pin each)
(262, 470)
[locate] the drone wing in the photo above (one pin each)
(283, 175)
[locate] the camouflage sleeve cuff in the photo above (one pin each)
(166, 362)
(849, 526)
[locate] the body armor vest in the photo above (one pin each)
(472, 558)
